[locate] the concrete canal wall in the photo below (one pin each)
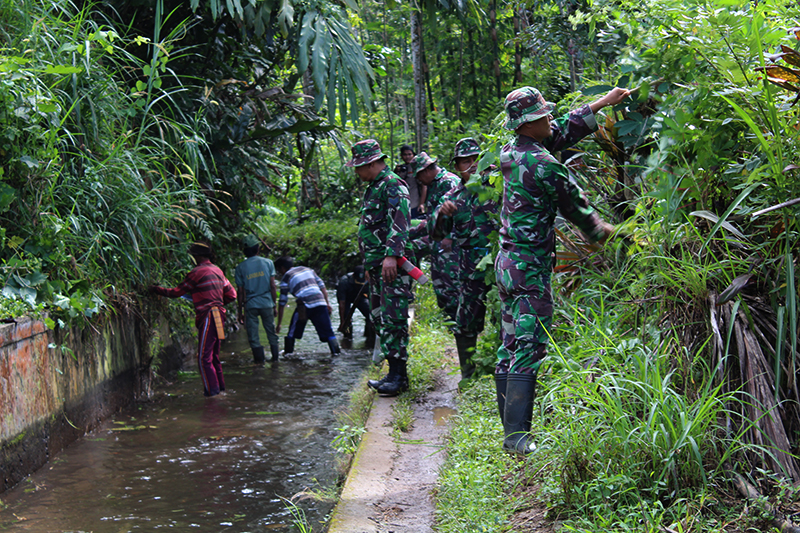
(55, 386)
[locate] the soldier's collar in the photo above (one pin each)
(524, 139)
(383, 173)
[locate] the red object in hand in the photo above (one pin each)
(412, 271)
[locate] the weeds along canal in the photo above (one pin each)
(183, 462)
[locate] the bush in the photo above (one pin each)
(330, 246)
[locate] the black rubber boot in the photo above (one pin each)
(274, 350)
(258, 355)
(333, 344)
(377, 383)
(500, 386)
(397, 383)
(520, 393)
(466, 349)
(288, 345)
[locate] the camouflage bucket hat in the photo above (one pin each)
(525, 105)
(466, 147)
(365, 152)
(250, 241)
(421, 161)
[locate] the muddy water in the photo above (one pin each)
(184, 462)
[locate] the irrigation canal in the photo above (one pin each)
(184, 462)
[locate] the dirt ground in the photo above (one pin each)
(389, 488)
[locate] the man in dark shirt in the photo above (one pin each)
(352, 292)
(210, 291)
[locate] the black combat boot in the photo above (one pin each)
(274, 349)
(377, 383)
(258, 355)
(288, 345)
(500, 386)
(333, 344)
(397, 383)
(466, 348)
(520, 393)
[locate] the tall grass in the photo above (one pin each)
(105, 180)
(625, 441)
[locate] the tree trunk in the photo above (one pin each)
(386, 86)
(573, 71)
(442, 94)
(402, 98)
(460, 74)
(420, 112)
(495, 47)
(473, 74)
(517, 48)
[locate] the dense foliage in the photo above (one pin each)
(132, 128)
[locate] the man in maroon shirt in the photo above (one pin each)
(210, 291)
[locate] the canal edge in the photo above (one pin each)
(365, 483)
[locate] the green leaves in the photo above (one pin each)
(337, 63)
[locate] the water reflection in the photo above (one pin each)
(185, 462)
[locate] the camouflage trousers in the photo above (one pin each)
(389, 310)
(526, 313)
(471, 314)
(444, 276)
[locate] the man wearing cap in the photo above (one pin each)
(536, 186)
(255, 284)
(210, 291)
(472, 222)
(383, 239)
(444, 257)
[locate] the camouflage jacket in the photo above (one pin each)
(537, 185)
(383, 229)
(470, 226)
(441, 184)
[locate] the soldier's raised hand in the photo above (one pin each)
(612, 97)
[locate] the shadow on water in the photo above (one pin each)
(184, 462)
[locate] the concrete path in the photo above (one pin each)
(388, 489)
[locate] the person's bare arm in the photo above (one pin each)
(423, 195)
(325, 294)
(242, 299)
(280, 319)
(613, 97)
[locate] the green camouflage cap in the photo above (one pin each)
(421, 161)
(466, 147)
(525, 105)
(250, 241)
(365, 152)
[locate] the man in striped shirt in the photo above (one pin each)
(312, 304)
(210, 291)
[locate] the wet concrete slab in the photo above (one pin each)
(390, 484)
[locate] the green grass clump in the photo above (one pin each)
(622, 444)
(475, 492)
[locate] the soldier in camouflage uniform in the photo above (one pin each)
(471, 222)
(536, 186)
(444, 255)
(383, 239)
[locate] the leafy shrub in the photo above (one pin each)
(330, 246)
